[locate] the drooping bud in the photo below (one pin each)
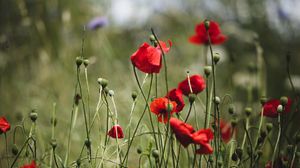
(217, 100)
(111, 93)
(284, 100)
(86, 62)
(152, 38)
(134, 95)
(216, 58)
(103, 82)
(192, 98)
(248, 111)
(263, 100)
(79, 61)
(207, 70)
(231, 109)
(33, 115)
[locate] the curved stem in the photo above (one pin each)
(278, 139)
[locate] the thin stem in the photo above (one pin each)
(294, 156)
(278, 139)
(189, 112)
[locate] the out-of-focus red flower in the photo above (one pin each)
(148, 59)
(278, 163)
(4, 125)
(31, 165)
(176, 95)
(226, 130)
(203, 137)
(160, 107)
(270, 107)
(197, 85)
(183, 131)
(214, 32)
(116, 131)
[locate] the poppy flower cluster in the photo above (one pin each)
(31, 165)
(214, 32)
(116, 131)
(4, 125)
(186, 135)
(270, 108)
(148, 59)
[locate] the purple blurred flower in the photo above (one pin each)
(97, 22)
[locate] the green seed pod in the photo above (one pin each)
(169, 107)
(33, 116)
(155, 153)
(217, 100)
(207, 70)
(269, 127)
(103, 82)
(111, 93)
(216, 58)
(279, 108)
(134, 95)
(263, 100)
(231, 109)
(206, 24)
(79, 61)
(152, 38)
(86, 62)
(284, 100)
(53, 143)
(192, 98)
(248, 111)
(14, 149)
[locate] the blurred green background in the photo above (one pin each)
(39, 41)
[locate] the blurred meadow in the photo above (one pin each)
(40, 40)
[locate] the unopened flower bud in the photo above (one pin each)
(86, 62)
(207, 70)
(269, 127)
(152, 38)
(14, 149)
(155, 153)
(169, 107)
(103, 82)
(192, 98)
(263, 100)
(279, 108)
(78, 61)
(33, 116)
(216, 58)
(134, 95)
(248, 111)
(284, 100)
(88, 143)
(231, 109)
(111, 93)
(206, 24)
(217, 100)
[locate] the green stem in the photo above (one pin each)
(278, 139)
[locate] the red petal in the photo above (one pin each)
(4, 125)
(197, 85)
(116, 131)
(176, 95)
(183, 132)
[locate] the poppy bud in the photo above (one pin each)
(192, 98)
(231, 109)
(269, 127)
(15, 150)
(86, 62)
(206, 24)
(217, 100)
(169, 107)
(111, 93)
(53, 121)
(152, 38)
(263, 100)
(33, 116)
(297, 138)
(248, 111)
(289, 148)
(88, 143)
(78, 61)
(103, 82)
(134, 95)
(207, 70)
(139, 150)
(155, 153)
(284, 100)
(53, 143)
(216, 58)
(76, 99)
(279, 108)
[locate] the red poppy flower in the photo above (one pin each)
(183, 131)
(197, 84)
(116, 131)
(4, 125)
(226, 131)
(31, 165)
(270, 107)
(203, 138)
(176, 95)
(148, 58)
(160, 106)
(214, 32)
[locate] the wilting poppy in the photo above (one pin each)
(148, 59)
(116, 131)
(176, 95)
(97, 22)
(4, 125)
(270, 107)
(203, 137)
(214, 32)
(160, 107)
(183, 131)
(31, 165)
(197, 84)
